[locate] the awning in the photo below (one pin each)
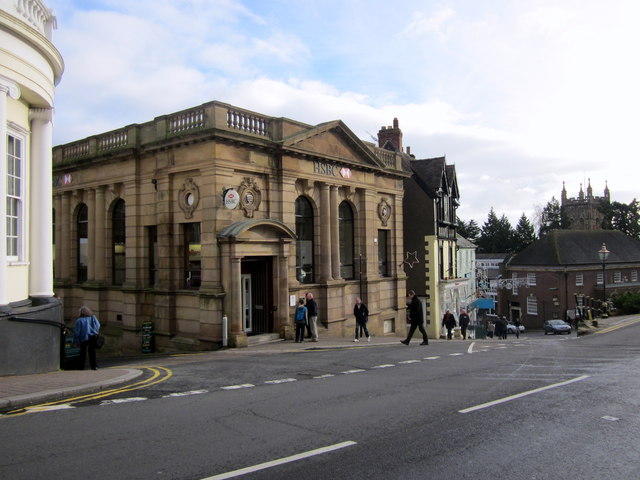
(486, 303)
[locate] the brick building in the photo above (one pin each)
(562, 270)
(218, 211)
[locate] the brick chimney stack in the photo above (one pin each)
(391, 137)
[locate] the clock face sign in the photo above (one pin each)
(345, 172)
(231, 199)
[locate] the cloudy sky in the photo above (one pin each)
(520, 95)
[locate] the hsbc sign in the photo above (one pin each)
(323, 168)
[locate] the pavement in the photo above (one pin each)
(19, 391)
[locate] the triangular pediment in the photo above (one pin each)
(333, 141)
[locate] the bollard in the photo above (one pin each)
(225, 322)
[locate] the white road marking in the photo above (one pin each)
(185, 394)
(405, 362)
(326, 375)
(386, 365)
(357, 370)
(520, 395)
(455, 354)
(610, 418)
(237, 387)
(49, 408)
(470, 349)
(431, 358)
(123, 400)
(281, 380)
(281, 461)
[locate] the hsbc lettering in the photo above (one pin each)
(322, 168)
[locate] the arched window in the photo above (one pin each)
(304, 245)
(117, 243)
(82, 227)
(345, 220)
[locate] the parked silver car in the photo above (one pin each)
(556, 327)
(511, 328)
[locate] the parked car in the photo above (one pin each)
(556, 327)
(511, 328)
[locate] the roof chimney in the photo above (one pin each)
(390, 138)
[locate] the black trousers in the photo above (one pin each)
(413, 328)
(89, 345)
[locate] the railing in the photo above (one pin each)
(387, 157)
(35, 13)
(248, 122)
(110, 141)
(76, 150)
(185, 121)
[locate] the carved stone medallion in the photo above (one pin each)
(188, 197)
(250, 196)
(384, 211)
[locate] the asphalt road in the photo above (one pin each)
(535, 408)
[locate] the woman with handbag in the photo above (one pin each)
(85, 334)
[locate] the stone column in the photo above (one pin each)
(237, 337)
(7, 87)
(335, 233)
(99, 252)
(40, 215)
(64, 260)
(91, 236)
(325, 234)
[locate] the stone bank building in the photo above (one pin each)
(217, 211)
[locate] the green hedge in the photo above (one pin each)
(627, 303)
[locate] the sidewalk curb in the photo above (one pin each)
(20, 401)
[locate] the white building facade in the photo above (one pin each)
(30, 67)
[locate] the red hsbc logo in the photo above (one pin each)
(345, 172)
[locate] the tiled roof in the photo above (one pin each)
(578, 247)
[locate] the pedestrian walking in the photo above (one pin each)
(503, 321)
(361, 312)
(463, 320)
(516, 322)
(301, 320)
(85, 334)
(312, 311)
(415, 319)
(449, 321)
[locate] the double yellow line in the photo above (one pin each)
(159, 374)
(619, 325)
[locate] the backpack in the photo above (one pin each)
(300, 314)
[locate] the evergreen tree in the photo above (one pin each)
(497, 235)
(623, 217)
(551, 217)
(469, 230)
(524, 234)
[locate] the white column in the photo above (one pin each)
(7, 87)
(40, 215)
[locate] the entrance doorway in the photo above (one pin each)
(257, 295)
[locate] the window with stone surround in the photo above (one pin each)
(118, 243)
(15, 199)
(579, 279)
(383, 252)
(304, 244)
(82, 229)
(192, 259)
(531, 279)
(346, 228)
(532, 305)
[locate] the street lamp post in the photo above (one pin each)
(603, 253)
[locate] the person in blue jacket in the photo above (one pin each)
(85, 333)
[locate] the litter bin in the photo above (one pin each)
(479, 332)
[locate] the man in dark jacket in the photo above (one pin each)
(463, 320)
(312, 308)
(361, 312)
(415, 319)
(449, 321)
